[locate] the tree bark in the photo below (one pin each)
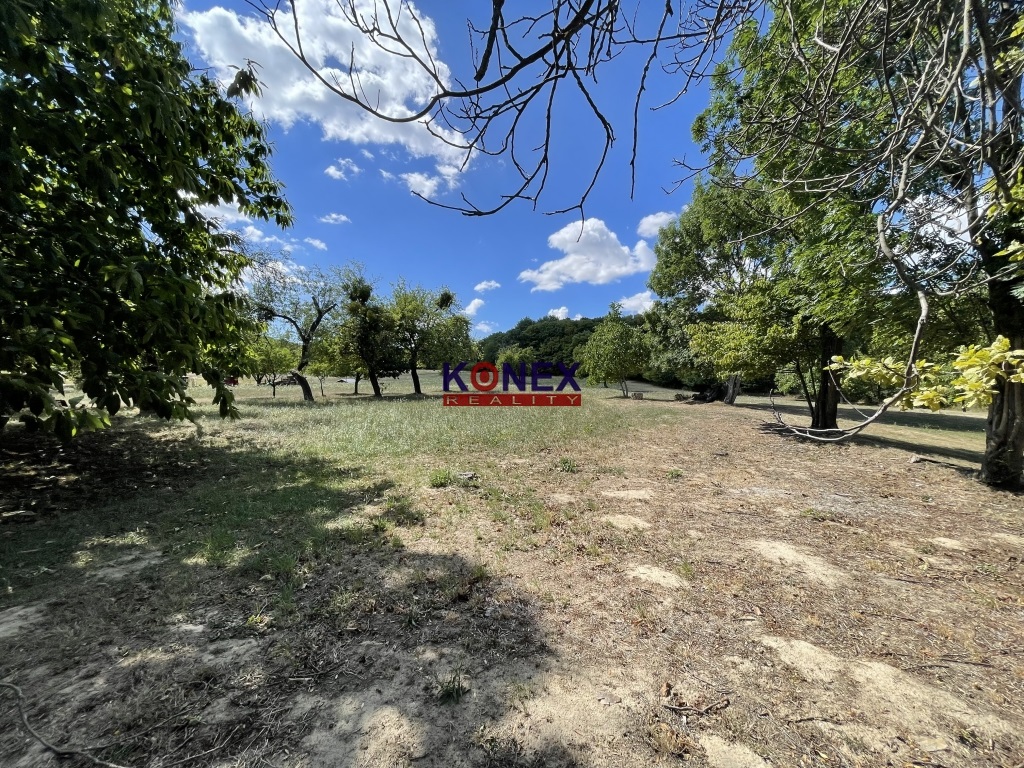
(355, 391)
(803, 386)
(826, 406)
(413, 361)
(732, 389)
(307, 391)
(1003, 463)
(375, 384)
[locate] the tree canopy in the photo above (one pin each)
(110, 146)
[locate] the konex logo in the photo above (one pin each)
(520, 385)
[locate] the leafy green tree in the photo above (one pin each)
(616, 351)
(273, 358)
(450, 342)
(515, 356)
(332, 352)
(425, 322)
(936, 167)
(110, 146)
(370, 334)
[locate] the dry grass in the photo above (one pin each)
(627, 584)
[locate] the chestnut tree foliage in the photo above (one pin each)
(110, 146)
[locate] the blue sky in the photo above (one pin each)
(349, 176)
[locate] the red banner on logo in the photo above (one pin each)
(507, 398)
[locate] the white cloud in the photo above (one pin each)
(343, 169)
(484, 327)
(473, 307)
(395, 85)
(427, 185)
(388, 175)
(367, 154)
(577, 316)
(256, 236)
(561, 313)
(226, 213)
(422, 183)
(486, 285)
(649, 225)
(593, 254)
(335, 218)
(637, 303)
(320, 245)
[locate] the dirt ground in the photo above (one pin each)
(702, 592)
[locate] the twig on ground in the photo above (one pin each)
(699, 711)
(216, 748)
(58, 751)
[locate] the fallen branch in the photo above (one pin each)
(58, 751)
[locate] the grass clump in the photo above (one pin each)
(568, 464)
(450, 689)
(442, 478)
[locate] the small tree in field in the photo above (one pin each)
(300, 298)
(273, 358)
(420, 316)
(615, 351)
(370, 334)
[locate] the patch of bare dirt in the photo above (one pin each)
(627, 522)
(758, 621)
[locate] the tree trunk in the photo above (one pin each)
(375, 384)
(826, 405)
(273, 386)
(1003, 463)
(803, 386)
(356, 390)
(322, 393)
(307, 392)
(415, 376)
(732, 389)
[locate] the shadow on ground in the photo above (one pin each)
(929, 443)
(170, 602)
(916, 419)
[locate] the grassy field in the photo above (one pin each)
(395, 583)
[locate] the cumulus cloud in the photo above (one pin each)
(422, 183)
(637, 303)
(256, 236)
(577, 316)
(484, 327)
(473, 307)
(320, 245)
(393, 84)
(486, 285)
(649, 225)
(226, 213)
(335, 218)
(343, 169)
(561, 313)
(593, 255)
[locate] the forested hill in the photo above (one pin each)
(551, 338)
